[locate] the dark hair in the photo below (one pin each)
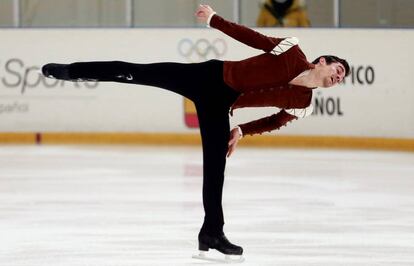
(333, 59)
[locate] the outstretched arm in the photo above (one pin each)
(269, 123)
(206, 14)
(258, 127)
(275, 121)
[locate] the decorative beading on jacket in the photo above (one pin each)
(285, 45)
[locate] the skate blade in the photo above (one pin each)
(227, 258)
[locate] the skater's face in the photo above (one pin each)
(330, 74)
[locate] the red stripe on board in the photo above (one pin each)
(38, 138)
(191, 120)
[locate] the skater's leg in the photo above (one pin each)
(215, 133)
(189, 80)
(214, 127)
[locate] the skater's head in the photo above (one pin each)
(331, 69)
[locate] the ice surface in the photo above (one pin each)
(124, 206)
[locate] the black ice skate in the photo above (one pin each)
(60, 71)
(233, 253)
(56, 71)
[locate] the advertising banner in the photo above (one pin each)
(376, 100)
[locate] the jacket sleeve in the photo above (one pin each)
(245, 35)
(269, 123)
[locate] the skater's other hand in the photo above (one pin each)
(234, 139)
(203, 12)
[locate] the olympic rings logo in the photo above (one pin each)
(202, 49)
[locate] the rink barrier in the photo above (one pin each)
(168, 139)
(366, 105)
(19, 138)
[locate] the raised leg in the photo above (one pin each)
(193, 81)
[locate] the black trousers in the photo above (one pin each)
(203, 84)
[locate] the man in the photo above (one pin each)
(280, 77)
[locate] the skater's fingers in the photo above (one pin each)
(201, 15)
(205, 8)
(232, 146)
(202, 8)
(199, 11)
(230, 151)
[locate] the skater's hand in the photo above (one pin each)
(234, 139)
(203, 12)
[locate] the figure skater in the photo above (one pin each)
(280, 77)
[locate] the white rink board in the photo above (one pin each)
(29, 103)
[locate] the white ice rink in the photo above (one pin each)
(130, 206)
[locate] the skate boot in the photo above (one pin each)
(56, 71)
(233, 253)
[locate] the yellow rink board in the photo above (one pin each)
(194, 139)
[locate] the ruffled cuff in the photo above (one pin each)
(209, 19)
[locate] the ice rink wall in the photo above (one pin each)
(374, 108)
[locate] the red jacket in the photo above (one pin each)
(263, 80)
